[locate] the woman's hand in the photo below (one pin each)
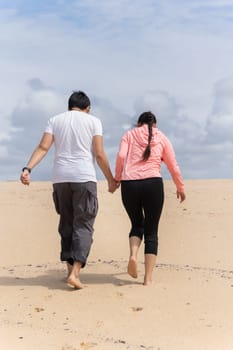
(113, 185)
(180, 196)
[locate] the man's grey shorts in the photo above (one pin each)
(77, 205)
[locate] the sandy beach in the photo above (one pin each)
(189, 307)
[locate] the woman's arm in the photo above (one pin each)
(121, 156)
(169, 159)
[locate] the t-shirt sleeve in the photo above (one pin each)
(49, 127)
(98, 128)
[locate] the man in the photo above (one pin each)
(77, 137)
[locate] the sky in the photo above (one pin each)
(174, 58)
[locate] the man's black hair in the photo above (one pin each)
(78, 99)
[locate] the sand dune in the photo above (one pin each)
(189, 307)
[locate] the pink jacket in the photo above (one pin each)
(129, 163)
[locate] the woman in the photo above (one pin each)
(138, 165)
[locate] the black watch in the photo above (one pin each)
(26, 168)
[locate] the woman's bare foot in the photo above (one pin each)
(75, 282)
(132, 268)
(148, 282)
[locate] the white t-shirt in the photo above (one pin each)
(73, 132)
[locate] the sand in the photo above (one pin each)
(189, 306)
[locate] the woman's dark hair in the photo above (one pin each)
(149, 119)
(78, 99)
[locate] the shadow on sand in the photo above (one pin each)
(56, 279)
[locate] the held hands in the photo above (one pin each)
(113, 185)
(180, 196)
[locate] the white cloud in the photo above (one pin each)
(39, 103)
(223, 96)
(164, 56)
(220, 121)
(3, 152)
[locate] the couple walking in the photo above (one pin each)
(78, 141)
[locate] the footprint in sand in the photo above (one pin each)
(68, 347)
(87, 346)
(39, 309)
(136, 308)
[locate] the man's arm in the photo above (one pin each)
(38, 154)
(103, 163)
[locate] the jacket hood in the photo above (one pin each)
(141, 133)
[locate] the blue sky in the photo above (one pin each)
(171, 57)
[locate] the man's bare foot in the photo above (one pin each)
(132, 268)
(69, 269)
(75, 282)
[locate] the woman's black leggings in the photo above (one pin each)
(143, 201)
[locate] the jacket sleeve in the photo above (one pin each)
(169, 159)
(121, 157)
